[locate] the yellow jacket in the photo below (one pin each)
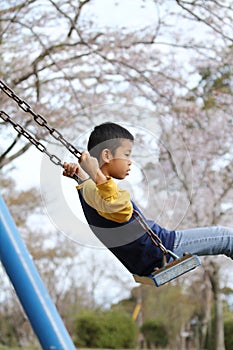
(108, 200)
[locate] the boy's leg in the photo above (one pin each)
(204, 241)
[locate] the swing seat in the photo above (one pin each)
(170, 271)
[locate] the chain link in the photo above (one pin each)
(154, 238)
(39, 119)
(21, 131)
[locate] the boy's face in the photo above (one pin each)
(119, 164)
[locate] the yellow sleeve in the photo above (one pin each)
(108, 199)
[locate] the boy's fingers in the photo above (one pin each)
(84, 156)
(70, 169)
(65, 169)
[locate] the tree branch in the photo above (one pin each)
(15, 155)
(198, 18)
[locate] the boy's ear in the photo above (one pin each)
(106, 155)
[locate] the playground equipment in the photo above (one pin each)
(38, 306)
(168, 272)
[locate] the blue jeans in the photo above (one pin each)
(204, 241)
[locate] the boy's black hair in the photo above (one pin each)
(107, 135)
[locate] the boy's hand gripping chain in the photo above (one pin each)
(168, 271)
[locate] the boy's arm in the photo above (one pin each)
(103, 194)
(109, 200)
(91, 166)
(87, 165)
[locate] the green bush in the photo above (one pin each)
(88, 330)
(228, 335)
(155, 334)
(111, 329)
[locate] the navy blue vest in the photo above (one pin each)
(128, 241)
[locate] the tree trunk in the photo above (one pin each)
(207, 304)
(218, 309)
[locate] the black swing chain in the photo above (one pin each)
(21, 131)
(154, 238)
(39, 119)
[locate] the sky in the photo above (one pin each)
(127, 13)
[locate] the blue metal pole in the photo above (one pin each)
(29, 287)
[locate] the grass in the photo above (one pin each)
(3, 347)
(17, 348)
(36, 348)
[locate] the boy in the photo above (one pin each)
(117, 221)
